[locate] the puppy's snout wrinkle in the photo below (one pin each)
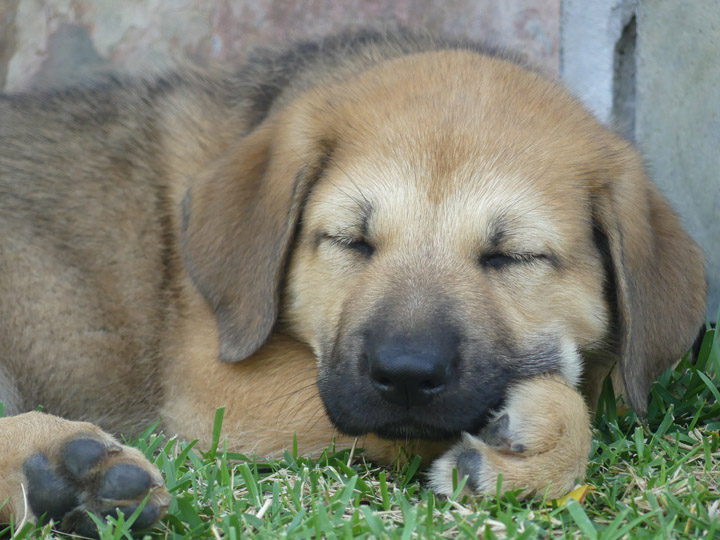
(411, 370)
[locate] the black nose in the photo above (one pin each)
(411, 370)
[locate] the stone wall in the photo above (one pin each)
(55, 41)
(652, 67)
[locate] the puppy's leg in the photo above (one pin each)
(540, 440)
(61, 469)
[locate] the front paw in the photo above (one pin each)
(539, 443)
(91, 473)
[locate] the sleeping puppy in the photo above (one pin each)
(385, 236)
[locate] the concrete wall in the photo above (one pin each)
(52, 41)
(653, 68)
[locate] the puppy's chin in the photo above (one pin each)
(407, 431)
(357, 413)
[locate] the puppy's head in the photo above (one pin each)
(440, 226)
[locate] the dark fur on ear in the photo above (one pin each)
(658, 273)
(239, 220)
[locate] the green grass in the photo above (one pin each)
(654, 479)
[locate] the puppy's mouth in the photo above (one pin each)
(410, 429)
(356, 410)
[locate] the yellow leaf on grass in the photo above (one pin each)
(579, 494)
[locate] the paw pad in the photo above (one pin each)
(469, 464)
(81, 455)
(88, 475)
(124, 481)
(48, 493)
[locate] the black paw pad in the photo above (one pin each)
(518, 448)
(82, 524)
(469, 463)
(497, 432)
(81, 455)
(124, 481)
(148, 515)
(48, 493)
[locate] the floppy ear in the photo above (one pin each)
(658, 273)
(239, 220)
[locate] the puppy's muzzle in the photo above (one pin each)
(411, 370)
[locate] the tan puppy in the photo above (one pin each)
(385, 236)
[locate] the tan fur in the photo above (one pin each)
(154, 229)
(557, 436)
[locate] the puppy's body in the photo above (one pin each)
(440, 238)
(92, 181)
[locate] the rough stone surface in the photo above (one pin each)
(50, 42)
(8, 8)
(589, 33)
(675, 99)
(678, 115)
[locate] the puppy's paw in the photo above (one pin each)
(539, 443)
(93, 473)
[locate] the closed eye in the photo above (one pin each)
(498, 261)
(362, 246)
